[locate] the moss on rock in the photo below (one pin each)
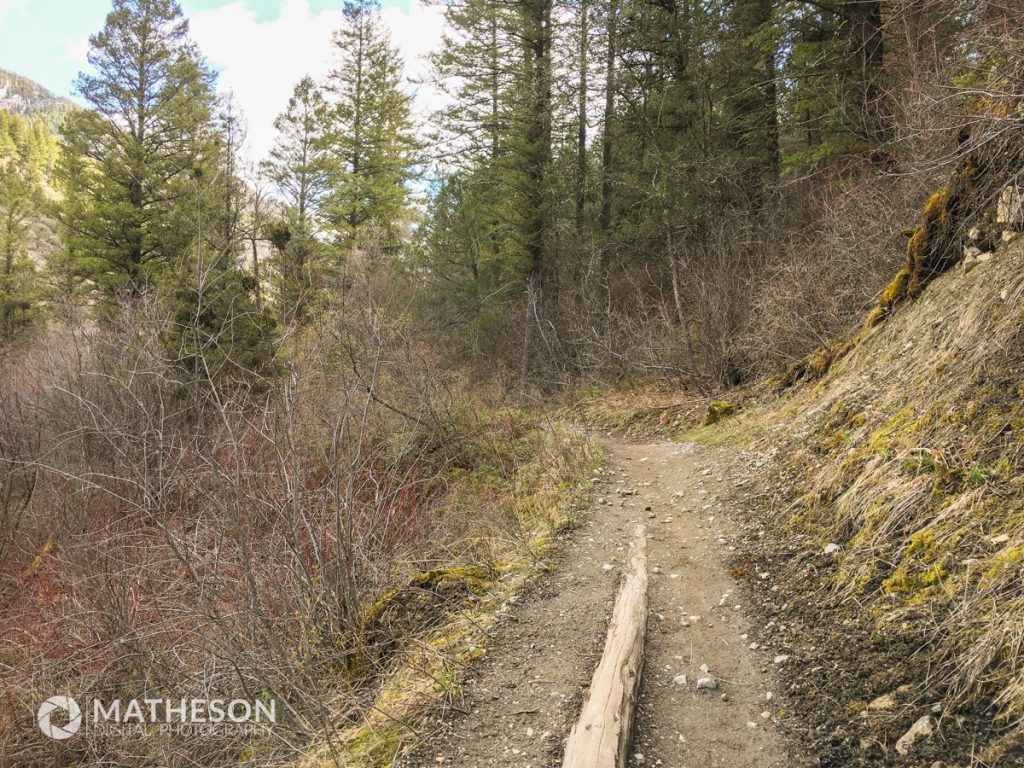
(718, 410)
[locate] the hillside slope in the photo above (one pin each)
(908, 457)
(28, 98)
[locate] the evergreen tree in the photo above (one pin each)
(218, 334)
(298, 167)
(750, 105)
(480, 67)
(132, 161)
(27, 151)
(371, 136)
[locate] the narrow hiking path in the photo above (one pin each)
(521, 700)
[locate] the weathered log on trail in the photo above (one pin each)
(600, 738)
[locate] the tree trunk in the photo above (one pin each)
(611, 33)
(861, 28)
(581, 138)
(541, 288)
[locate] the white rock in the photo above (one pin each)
(706, 684)
(679, 680)
(780, 659)
(831, 548)
(922, 727)
(608, 567)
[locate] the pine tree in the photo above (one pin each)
(298, 167)
(133, 160)
(750, 103)
(27, 154)
(218, 332)
(371, 136)
(480, 67)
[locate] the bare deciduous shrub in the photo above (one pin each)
(174, 536)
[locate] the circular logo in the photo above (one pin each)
(63, 704)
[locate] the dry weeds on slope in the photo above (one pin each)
(908, 455)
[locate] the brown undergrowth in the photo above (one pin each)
(336, 542)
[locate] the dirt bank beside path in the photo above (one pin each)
(520, 701)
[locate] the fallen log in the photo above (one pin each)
(600, 738)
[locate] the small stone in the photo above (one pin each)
(831, 548)
(921, 728)
(706, 684)
(638, 758)
(656, 569)
(679, 680)
(705, 669)
(780, 659)
(725, 697)
(882, 702)
(608, 567)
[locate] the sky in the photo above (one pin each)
(261, 48)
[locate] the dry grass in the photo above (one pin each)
(912, 458)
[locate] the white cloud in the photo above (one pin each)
(260, 62)
(12, 8)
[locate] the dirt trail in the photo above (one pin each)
(522, 699)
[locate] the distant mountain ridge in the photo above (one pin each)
(23, 96)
